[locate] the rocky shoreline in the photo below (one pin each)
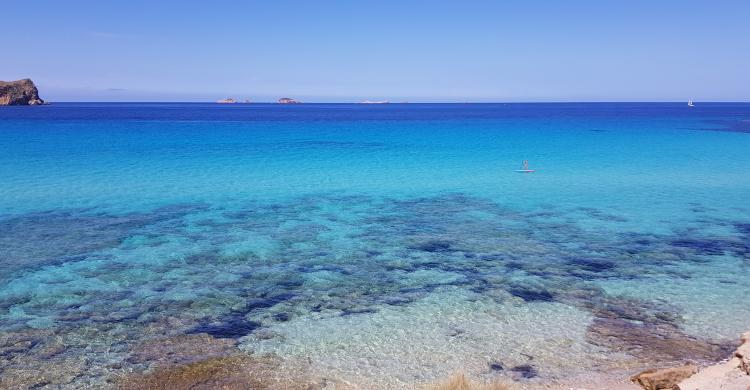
(731, 374)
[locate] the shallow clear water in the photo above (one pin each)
(385, 245)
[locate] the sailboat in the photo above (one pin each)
(690, 103)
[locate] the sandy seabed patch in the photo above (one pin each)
(448, 331)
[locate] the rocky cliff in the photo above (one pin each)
(19, 93)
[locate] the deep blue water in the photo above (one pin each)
(336, 234)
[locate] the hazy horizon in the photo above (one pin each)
(580, 51)
(240, 103)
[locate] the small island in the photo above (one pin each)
(288, 101)
(19, 93)
(233, 101)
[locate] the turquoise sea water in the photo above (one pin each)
(383, 245)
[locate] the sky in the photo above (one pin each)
(407, 50)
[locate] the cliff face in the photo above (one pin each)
(19, 93)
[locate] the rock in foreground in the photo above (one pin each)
(666, 379)
(728, 375)
(743, 353)
(19, 93)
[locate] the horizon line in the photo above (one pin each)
(398, 102)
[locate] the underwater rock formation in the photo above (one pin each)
(95, 279)
(181, 350)
(205, 362)
(19, 93)
(233, 372)
(42, 239)
(31, 359)
(236, 372)
(653, 341)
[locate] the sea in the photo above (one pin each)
(376, 246)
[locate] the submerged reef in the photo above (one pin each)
(142, 299)
(231, 372)
(204, 362)
(35, 240)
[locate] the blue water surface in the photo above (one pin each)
(271, 224)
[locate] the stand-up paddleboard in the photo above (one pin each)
(525, 167)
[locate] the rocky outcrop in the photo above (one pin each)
(665, 379)
(19, 93)
(288, 101)
(743, 353)
(733, 374)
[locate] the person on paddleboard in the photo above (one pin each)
(525, 167)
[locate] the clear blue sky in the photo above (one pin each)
(530, 50)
